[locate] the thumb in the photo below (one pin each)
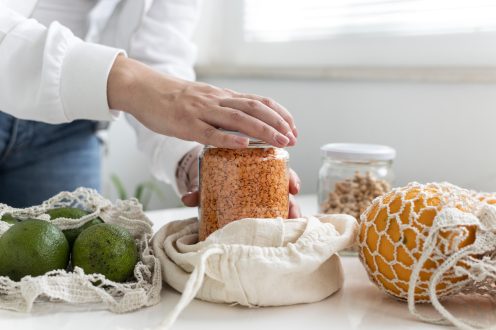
(191, 198)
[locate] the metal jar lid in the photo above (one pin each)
(253, 142)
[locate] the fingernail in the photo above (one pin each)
(241, 141)
(297, 186)
(295, 131)
(192, 190)
(186, 195)
(281, 139)
(292, 138)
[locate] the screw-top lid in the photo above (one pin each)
(358, 151)
(238, 133)
(252, 141)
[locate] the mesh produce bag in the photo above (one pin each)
(75, 286)
(255, 262)
(423, 243)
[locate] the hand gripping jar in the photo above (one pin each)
(242, 183)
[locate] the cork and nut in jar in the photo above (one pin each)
(242, 183)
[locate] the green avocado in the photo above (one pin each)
(32, 247)
(106, 249)
(72, 213)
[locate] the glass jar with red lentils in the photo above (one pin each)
(242, 183)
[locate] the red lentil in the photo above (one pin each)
(242, 183)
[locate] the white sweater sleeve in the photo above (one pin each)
(163, 42)
(48, 74)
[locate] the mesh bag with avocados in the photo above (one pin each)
(73, 285)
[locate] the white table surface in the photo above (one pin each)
(358, 305)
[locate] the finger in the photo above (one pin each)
(236, 120)
(191, 199)
(209, 135)
(294, 209)
(282, 111)
(262, 112)
(294, 182)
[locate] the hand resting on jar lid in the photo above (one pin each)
(199, 112)
(196, 111)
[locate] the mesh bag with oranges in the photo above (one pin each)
(425, 242)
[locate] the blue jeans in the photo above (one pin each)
(39, 160)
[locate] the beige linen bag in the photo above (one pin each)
(255, 262)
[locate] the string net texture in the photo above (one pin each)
(74, 286)
(425, 242)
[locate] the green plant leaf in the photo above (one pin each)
(147, 195)
(138, 192)
(154, 187)
(145, 190)
(119, 187)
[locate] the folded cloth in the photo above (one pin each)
(255, 262)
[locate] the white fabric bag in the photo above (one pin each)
(255, 262)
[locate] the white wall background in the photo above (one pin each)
(441, 131)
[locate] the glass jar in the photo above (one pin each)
(242, 183)
(352, 175)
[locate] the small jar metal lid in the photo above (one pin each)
(253, 142)
(358, 151)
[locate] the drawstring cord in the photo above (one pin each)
(191, 288)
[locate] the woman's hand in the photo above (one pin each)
(195, 111)
(192, 198)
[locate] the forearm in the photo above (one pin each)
(131, 83)
(194, 111)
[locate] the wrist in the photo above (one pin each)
(187, 171)
(132, 85)
(121, 84)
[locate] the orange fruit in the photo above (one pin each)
(489, 198)
(393, 231)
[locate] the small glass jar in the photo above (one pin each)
(242, 183)
(352, 175)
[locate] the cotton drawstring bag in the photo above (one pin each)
(426, 242)
(76, 287)
(255, 262)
